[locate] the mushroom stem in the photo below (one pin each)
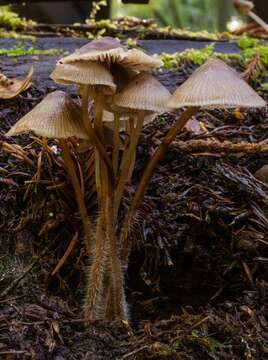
(95, 282)
(90, 130)
(258, 20)
(147, 174)
(127, 160)
(116, 139)
(117, 310)
(78, 193)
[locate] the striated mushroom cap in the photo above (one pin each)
(244, 6)
(84, 73)
(57, 116)
(143, 92)
(215, 85)
(106, 49)
(137, 60)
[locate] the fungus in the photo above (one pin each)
(105, 50)
(60, 119)
(98, 69)
(143, 96)
(245, 8)
(92, 78)
(213, 85)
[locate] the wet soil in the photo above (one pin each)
(197, 282)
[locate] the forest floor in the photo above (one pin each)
(197, 284)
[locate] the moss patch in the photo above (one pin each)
(9, 19)
(249, 49)
(21, 50)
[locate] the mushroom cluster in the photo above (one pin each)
(125, 97)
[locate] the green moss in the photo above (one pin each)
(5, 34)
(131, 25)
(21, 50)
(249, 49)
(9, 19)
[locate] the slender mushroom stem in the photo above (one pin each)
(95, 282)
(78, 193)
(258, 20)
(147, 174)
(132, 124)
(127, 160)
(91, 131)
(117, 310)
(116, 139)
(106, 239)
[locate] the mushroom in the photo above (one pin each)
(105, 50)
(143, 96)
(213, 85)
(92, 78)
(245, 8)
(57, 116)
(108, 53)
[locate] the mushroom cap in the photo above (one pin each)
(143, 92)
(83, 73)
(57, 116)
(137, 60)
(215, 85)
(106, 49)
(244, 6)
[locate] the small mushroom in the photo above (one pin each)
(213, 85)
(245, 8)
(92, 78)
(137, 60)
(143, 96)
(57, 116)
(105, 50)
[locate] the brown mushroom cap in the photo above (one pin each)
(143, 92)
(57, 116)
(215, 85)
(106, 49)
(137, 60)
(109, 50)
(84, 73)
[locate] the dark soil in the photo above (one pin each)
(197, 282)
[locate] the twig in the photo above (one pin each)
(135, 352)
(66, 254)
(225, 146)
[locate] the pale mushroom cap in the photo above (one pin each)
(106, 49)
(139, 61)
(144, 92)
(215, 85)
(83, 73)
(57, 116)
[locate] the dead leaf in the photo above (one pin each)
(10, 88)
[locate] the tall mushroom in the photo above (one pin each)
(109, 53)
(143, 96)
(213, 85)
(57, 116)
